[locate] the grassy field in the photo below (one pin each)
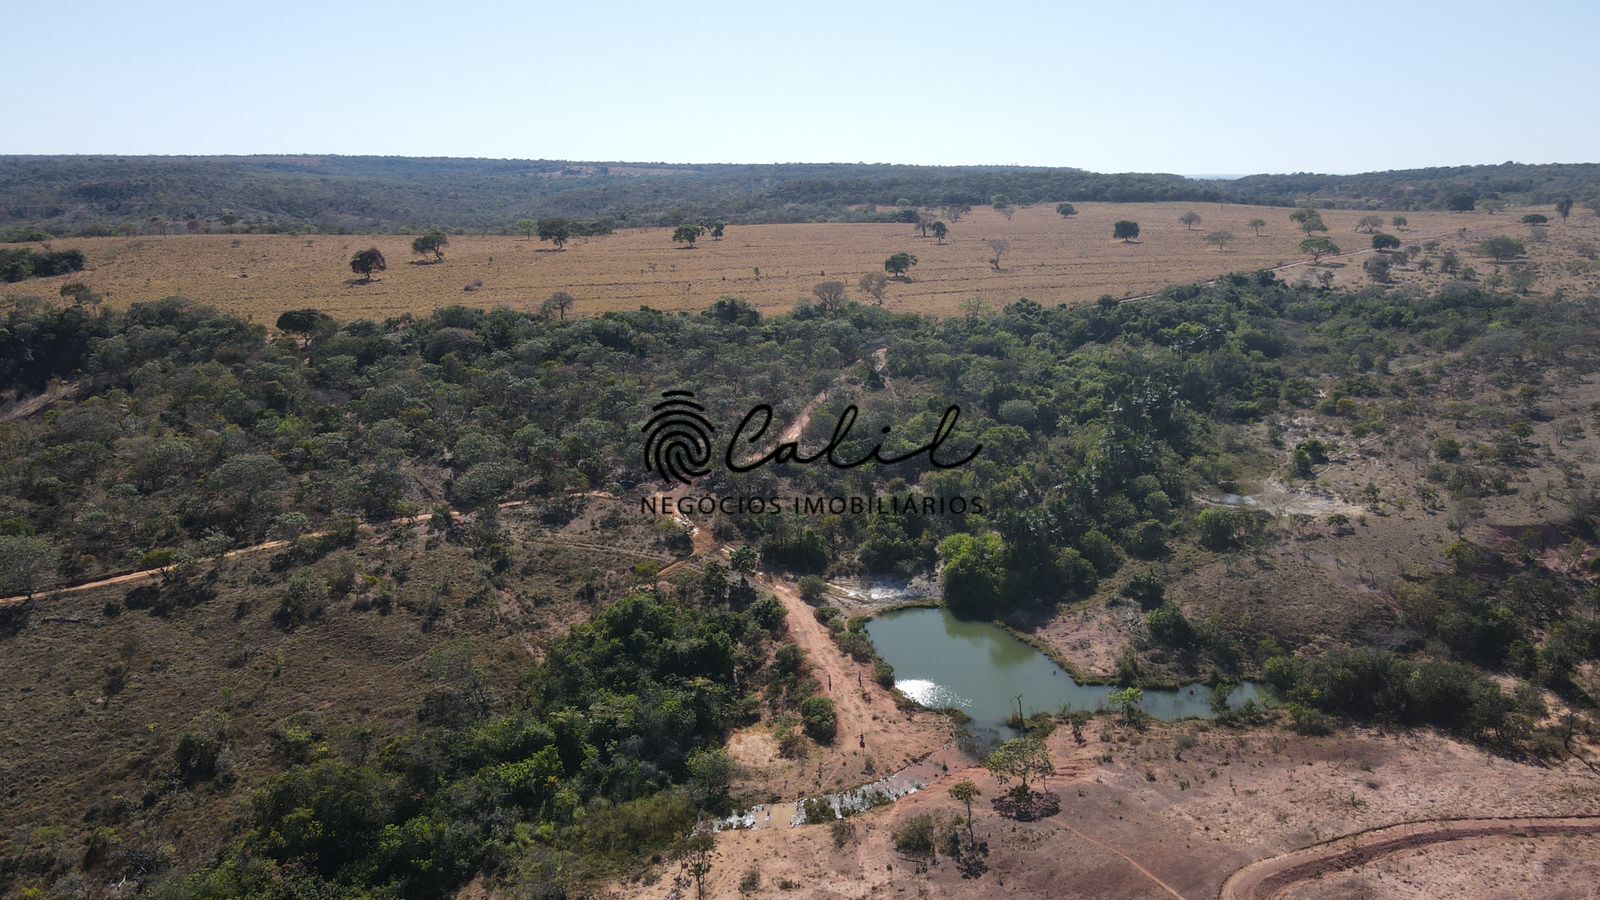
(1050, 260)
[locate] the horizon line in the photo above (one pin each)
(1207, 176)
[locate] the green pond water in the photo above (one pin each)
(942, 661)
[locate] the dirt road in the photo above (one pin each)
(1279, 875)
(875, 736)
(142, 575)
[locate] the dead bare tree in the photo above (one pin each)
(999, 246)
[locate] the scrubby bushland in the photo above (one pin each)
(188, 433)
(22, 263)
(602, 758)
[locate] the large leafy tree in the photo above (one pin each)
(899, 264)
(1318, 247)
(556, 231)
(1024, 759)
(431, 242)
(368, 261)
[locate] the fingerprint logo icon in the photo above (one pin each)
(677, 445)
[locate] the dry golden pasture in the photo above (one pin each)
(1050, 260)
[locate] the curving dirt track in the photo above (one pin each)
(141, 575)
(1278, 875)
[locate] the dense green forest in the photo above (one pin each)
(107, 195)
(189, 433)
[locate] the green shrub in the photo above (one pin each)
(915, 837)
(820, 721)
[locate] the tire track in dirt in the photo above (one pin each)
(1278, 875)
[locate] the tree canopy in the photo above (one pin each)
(366, 262)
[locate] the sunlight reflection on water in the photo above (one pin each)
(931, 694)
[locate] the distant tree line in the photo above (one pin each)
(122, 195)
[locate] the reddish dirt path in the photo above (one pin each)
(864, 706)
(142, 575)
(24, 408)
(1278, 875)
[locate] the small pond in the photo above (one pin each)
(942, 661)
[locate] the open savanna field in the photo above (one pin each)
(1050, 260)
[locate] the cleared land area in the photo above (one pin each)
(1138, 820)
(1049, 259)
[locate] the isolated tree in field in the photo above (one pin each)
(1377, 268)
(694, 854)
(27, 562)
(923, 224)
(999, 246)
(557, 304)
(1257, 224)
(1309, 220)
(431, 241)
(1024, 759)
(1399, 222)
(1318, 247)
(1564, 208)
(1066, 210)
(1462, 203)
(718, 229)
(1501, 249)
(899, 264)
(830, 295)
(1535, 219)
(966, 792)
(874, 284)
(525, 228)
(1220, 239)
(687, 235)
(1189, 219)
(939, 230)
(1493, 205)
(556, 231)
(80, 294)
(305, 323)
(1382, 241)
(1369, 224)
(955, 211)
(367, 261)
(1125, 231)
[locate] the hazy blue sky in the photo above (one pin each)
(1192, 87)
